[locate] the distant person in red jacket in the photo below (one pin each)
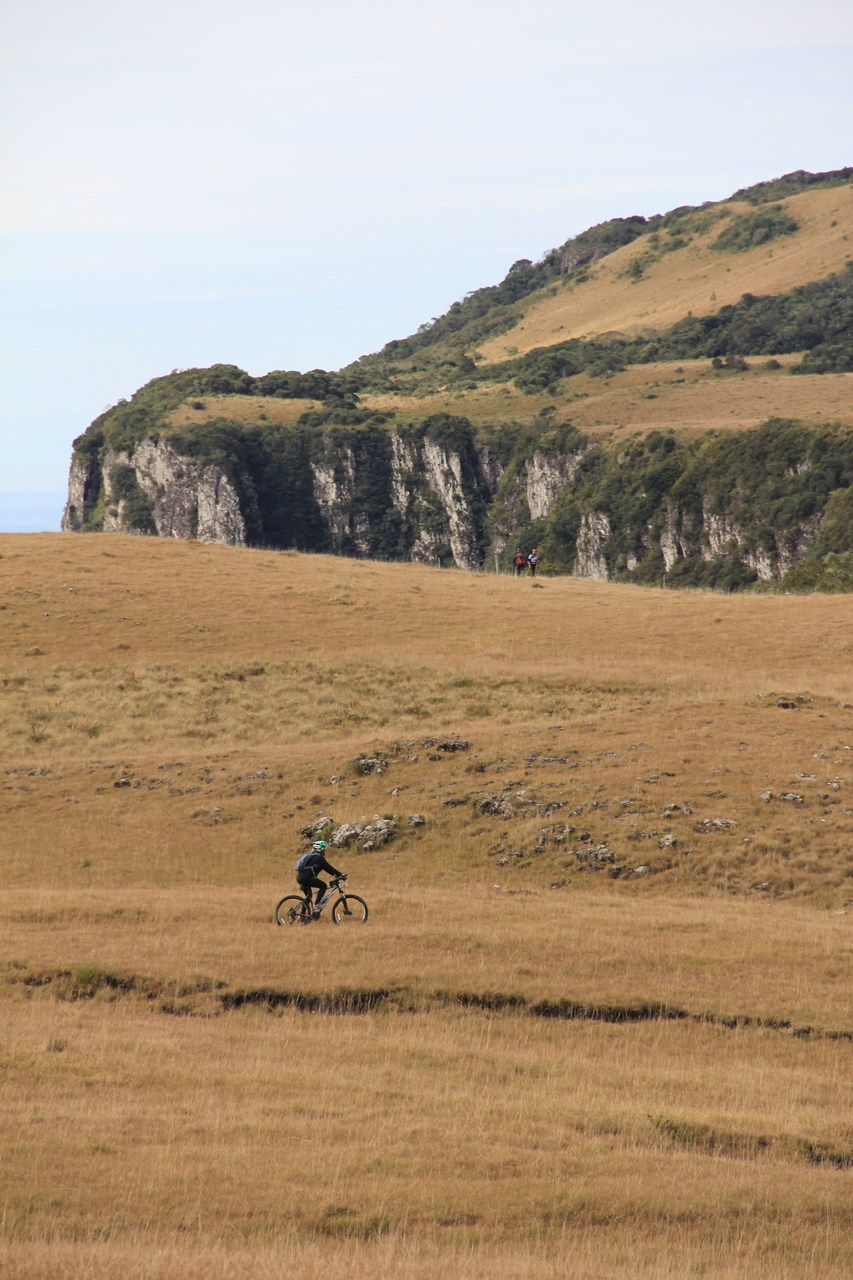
(520, 562)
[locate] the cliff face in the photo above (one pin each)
(153, 489)
(437, 494)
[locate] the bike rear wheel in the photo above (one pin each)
(349, 909)
(293, 910)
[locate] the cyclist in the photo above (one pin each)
(306, 873)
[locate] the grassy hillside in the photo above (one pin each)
(694, 277)
(626, 281)
(601, 1008)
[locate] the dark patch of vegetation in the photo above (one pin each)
(137, 510)
(747, 230)
(791, 184)
(279, 463)
(375, 521)
(354, 1001)
(828, 357)
(711, 1141)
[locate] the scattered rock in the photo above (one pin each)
(346, 832)
(766, 796)
(555, 835)
(314, 828)
(498, 805)
(668, 841)
(536, 758)
(369, 764)
(787, 704)
(763, 887)
(643, 870)
(793, 796)
(596, 856)
(212, 817)
(672, 809)
(415, 820)
(369, 835)
(444, 744)
(378, 832)
(708, 824)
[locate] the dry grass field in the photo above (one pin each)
(599, 1023)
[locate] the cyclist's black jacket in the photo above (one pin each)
(313, 864)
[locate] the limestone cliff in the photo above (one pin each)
(706, 512)
(153, 489)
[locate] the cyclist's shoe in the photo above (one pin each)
(315, 915)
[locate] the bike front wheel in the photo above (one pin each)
(292, 910)
(349, 910)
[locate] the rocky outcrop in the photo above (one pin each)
(592, 542)
(334, 481)
(435, 494)
(723, 537)
(443, 476)
(546, 476)
(154, 490)
(84, 487)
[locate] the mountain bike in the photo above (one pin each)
(347, 908)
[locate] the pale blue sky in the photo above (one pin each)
(282, 185)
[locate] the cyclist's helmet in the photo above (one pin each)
(320, 846)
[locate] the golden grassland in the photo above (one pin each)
(249, 410)
(520, 1066)
(695, 278)
(687, 397)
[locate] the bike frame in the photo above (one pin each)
(333, 889)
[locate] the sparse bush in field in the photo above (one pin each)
(733, 363)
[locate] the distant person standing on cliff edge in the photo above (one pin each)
(533, 560)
